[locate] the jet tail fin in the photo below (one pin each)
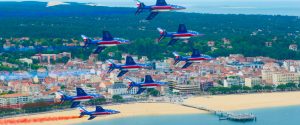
(177, 58)
(196, 53)
(129, 60)
(80, 92)
(148, 79)
(182, 28)
(140, 7)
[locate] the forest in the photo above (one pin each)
(54, 26)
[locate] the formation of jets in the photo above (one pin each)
(108, 40)
(146, 84)
(82, 96)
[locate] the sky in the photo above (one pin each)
(268, 7)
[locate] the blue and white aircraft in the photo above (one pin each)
(146, 84)
(106, 41)
(98, 112)
(81, 96)
(181, 34)
(160, 6)
(128, 66)
(195, 57)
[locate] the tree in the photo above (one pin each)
(10, 92)
(246, 88)
(117, 98)
(268, 87)
(153, 92)
(257, 87)
(291, 86)
(62, 87)
(281, 87)
(97, 101)
(236, 88)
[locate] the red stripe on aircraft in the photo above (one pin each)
(194, 59)
(83, 97)
(183, 35)
(102, 113)
(129, 67)
(109, 42)
(161, 7)
(151, 84)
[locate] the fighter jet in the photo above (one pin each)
(181, 34)
(107, 40)
(99, 111)
(147, 83)
(195, 57)
(81, 96)
(160, 6)
(128, 66)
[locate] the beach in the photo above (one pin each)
(246, 101)
(219, 102)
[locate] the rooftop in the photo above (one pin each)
(13, 95)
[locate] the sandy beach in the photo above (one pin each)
(246, 101)
(127, 110)
(220, 102)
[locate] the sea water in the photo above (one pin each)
(267, 116)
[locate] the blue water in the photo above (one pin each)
(269, 116)
(265, 7)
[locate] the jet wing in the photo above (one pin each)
(182, 28)
(99, 49)
(91, 117)
(122, 73)
(161, 3)
(196, 53)
(186, 65)
(172, 42)
(152, 15)
(110, 70)
(141, 90)
(107, 36)
(75, 104)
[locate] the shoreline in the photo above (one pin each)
(238, 102)
(217, 102)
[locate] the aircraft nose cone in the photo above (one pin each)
(126, 42)
(117, 112)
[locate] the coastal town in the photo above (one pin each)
(161, 62)
(222, 75)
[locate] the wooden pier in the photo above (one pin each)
(226, 115)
